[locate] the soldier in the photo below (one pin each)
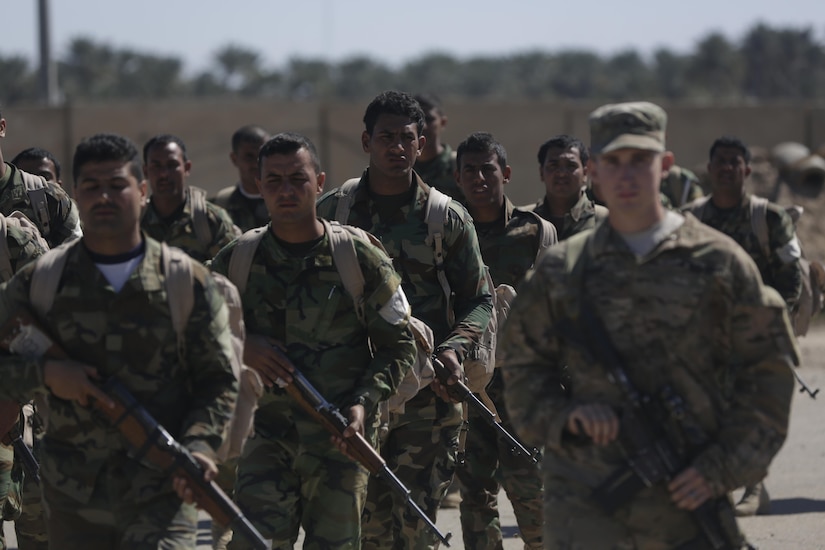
(242, 201)
(112, 317)
(733, 211)
(563, 169)
(390, 201)
(510, 240)
(177, 213)
(685, 313)
(436, 163)
(23, 244)
(681, 186)
(44, 203)
(295, 306)
(39, 162)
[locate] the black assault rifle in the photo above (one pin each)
(460, 391)
(334, 422)
(655, 453)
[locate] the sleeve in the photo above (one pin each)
(208, 358)
(63, 215)
(530, 358)
(223, 230)
(326, 205)
(387, 314)
(465, 270)
(755, 425)
(786, 272)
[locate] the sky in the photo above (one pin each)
(393, 32)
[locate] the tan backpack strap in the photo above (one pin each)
(36, 190)
(346, 196)
(222, 197)
(699, 206)
(180, 281)
(5, 253)
(46, 278)
(438, 207)
(240, 261)
(547, 235)
(345, 258)
(759, 223)
(200, 218)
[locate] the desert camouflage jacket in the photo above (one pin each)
(439, 172)
(246, 212)
(584, 215)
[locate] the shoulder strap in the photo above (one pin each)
(346, 196)
(200, 219)
(346, 262)
(435, 215)
(223, 195)
(179, 277)
(699, 206)
(759, 223)
(5, 253)
(36, 190)
(240, 261)
(46, 278)
(547, 234)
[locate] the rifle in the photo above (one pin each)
(22, 452)
(655, 454)
(334, 422)
(149, 440)
(460, 391)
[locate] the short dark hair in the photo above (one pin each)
(732, 142)
(106, 147)
(393, 102)
(481, 142)
(286, 143)
(162, 140)
(564, 142)
(429, 101)
(36, 153)
(250, 133)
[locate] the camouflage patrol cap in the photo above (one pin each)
(637, 125)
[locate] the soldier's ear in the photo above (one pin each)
(506, 173)
(365, 141)
(321, 179)
(422, 141)
(2, 127)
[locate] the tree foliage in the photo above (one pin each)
(765, 64)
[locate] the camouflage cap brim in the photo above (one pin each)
(630, 141)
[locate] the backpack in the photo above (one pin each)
(17, 219)
(179, 272)
(813, 273)
(200, 219)
(346, 263)
(36, 191)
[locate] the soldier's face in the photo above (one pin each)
(727, 169)
(40, 167)
(628, 179)
(482, 180)
(434, 123)
(109, 198)
(394, 145)
(563, 173)
(290, 186)
(167, 171)
(245, 159)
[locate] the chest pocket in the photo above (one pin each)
(328, 310)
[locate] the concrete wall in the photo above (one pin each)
(206, 127)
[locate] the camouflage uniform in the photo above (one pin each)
(179, 229)
(696, 305)
(246, 212)
(14, 495)
(289, 473)
(681, 186)
(782, 270)
(422, 442)
(509, 247)
(97, 496)
(439, 172)
(63, 217)
(584, 215)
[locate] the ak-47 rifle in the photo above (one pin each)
(22, 452)
(334, 422)
(654, 453)
(463, 393)
(150, 442)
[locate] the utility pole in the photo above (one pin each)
(48, 69)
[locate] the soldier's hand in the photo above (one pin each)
(181, 486)
(689, 489)
(596, 420)
(450, 360)
(73, 381)
(266, 356)
(356, 415)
